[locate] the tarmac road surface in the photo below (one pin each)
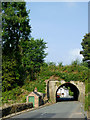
(70, 109)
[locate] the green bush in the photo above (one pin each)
(89, 100)
(60, 64)
(71, 93)
(69, 69)
(86, 103)
(23, 99)
(57, 73)
(88, 87)
(11, 95)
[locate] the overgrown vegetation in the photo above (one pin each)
(76, 72)
(86, 54)
(86, 48)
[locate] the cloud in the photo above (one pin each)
(75, 54)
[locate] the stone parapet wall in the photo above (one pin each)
(16, 108)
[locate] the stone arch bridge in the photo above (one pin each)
(77, 87)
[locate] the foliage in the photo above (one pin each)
(51, 64)
(86, 48)
(11, 94)
(22, 55)
(86, 95)
(68, 73)
(70, 92)
(10, 74)
(60, 64)
(84, 64)
(39, 83)
(75, 63)
(86, 103)
(88, 100)
(15, 26)
(23, 99)
(33, 56)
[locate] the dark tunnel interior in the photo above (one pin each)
(73, 88)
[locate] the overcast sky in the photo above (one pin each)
(62, 25)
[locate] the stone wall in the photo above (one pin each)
(16, 108)
(52, 90)
(81, 88)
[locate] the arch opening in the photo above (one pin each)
(67, 92)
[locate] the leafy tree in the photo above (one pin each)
(86, 48)
(33, 56)
(10, 74)
(15, 26)
(22, 56)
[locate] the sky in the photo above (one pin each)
(62, 25)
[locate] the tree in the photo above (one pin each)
(33, 56)
(10, 75)
(22, 55)
(15, 28)
(86, 48)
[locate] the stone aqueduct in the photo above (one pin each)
(52, 85)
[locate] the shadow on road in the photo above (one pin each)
(65, 99)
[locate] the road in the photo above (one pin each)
(58, 110)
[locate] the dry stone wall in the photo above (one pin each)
(16, 108)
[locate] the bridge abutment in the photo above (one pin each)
(52, 86)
